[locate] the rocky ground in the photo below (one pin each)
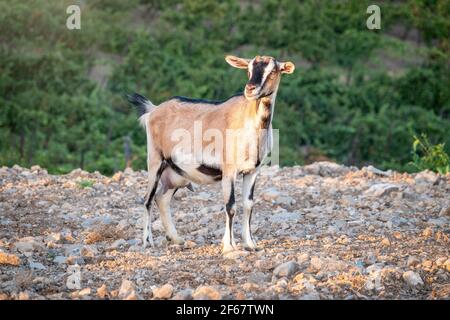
(326, 232)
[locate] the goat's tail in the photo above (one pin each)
(144, 106)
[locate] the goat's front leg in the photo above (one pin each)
(230, 208)
(247, 199)
(155, 168)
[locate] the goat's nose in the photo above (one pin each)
(250, 87)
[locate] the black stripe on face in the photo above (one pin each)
(258, 72)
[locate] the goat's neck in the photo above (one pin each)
(261, 111)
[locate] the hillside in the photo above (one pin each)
(326, 232)
(357, 96)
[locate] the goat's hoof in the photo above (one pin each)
(228, 249)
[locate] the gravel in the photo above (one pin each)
(325, 231)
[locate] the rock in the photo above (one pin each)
(164, 292)
(285, 217)
(412, 261)
(287, 269)
(428, 232)
(189, 244)
(206, 293)
(117, 176)
(60, 260)
(74, 279)
(440, 222)
(445, 212)
(374, 279)
(326, 168)
(426, 177)
(9, 259)
(37, 266)
(236, 254)
(24, 295)
(285, 200)
(126, 290)
(446, 265)
(385, 242)
(381, 190)
(85, 292)
(316, 264)
(28, 245)
(102, 292)
(378, 171)
(270, 194)
(185, 294)
(88, 251)
(412, 278)
(117, 244)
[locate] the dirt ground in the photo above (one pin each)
(325, 231)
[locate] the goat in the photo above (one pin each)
(251, 112)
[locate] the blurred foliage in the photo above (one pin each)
(357, 96)
(431, 157)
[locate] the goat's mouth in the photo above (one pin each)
(253, 95)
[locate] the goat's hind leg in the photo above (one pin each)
(170, 183)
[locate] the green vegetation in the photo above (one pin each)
(357, 96)
(427, 156)
(85, 184)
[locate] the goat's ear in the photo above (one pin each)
(287, 67)
(236, 62)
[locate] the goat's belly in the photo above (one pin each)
(200, 174)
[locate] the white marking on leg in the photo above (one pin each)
(247, 197)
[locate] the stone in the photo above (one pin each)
(446, 265)
(412, 278)
(287, 269)
(85, 292)
(285, 217)
(412, 261)
(185, 294)
(24, 295)
(381, 190)
(445, 212)
(206, 293)
(426, 177)
(73, 281)
(102, 292)
(117, 244)
(126, 290)
(9, 259)
(270, 194)
(164, 292)
(37, 266)
(236, 254)
(60, 260)
(378, 171)
(28, 244)
(427, 232)
(440, 222)
(326, 168)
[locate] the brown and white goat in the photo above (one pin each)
(171, 167)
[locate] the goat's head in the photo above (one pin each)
(264, 74)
